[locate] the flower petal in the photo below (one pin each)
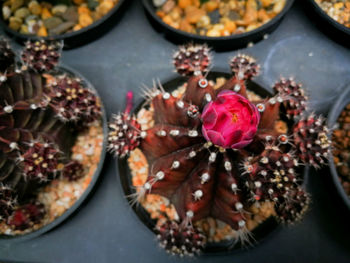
(241, 144)
(216, 138)
(230, 121)
(209, 116)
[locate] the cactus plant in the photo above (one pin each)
(41, 110)
(212, 152)
(41, 55)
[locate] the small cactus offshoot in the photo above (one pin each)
(41, 110)
(124, 131)
(214, 153)
(41, 55)
(293, 209)
(7, 202)
(71, 101)
(40, 161)
(183, 240)
(73, 170)
(26, 216)
(311, 139)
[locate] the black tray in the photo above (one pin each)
(77, 38)
(219, 43)
(337, 108)
(6, 239)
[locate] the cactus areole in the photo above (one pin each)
(214, 153)
(41, 112)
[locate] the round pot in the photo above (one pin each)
(219, 43)
(76, 38)
(7, 239)
(260, 233)
(328, 25)
(343, 100)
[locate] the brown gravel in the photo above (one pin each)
(216, 18)
(341, 152)
(339, 10)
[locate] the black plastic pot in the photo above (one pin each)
(336, 110)
(6, 239)
(261, 233)
(328, 25)
(76, 38)
(219, 43)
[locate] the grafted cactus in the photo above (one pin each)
(213, 153)
(38, 126)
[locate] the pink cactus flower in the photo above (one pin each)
(230, 121)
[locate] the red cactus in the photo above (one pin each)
(244, 67)
(311, 138)
(272, 174)
(295, 104)
(202, 175)
(41, 55)
(26, 216)
(124, 131)
(293, 208)
(35, 140)
(71, 101)
(40, 161)
(73, 170)
(179, 239)
(190, 59)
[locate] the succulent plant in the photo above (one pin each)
(212, 152)
(73, 170)
(40, 113)
(124, 131)
(41, 55)
(182, 240)
(26, 216)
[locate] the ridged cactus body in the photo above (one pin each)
(213, 153)
(37, 129)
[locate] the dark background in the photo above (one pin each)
(105, 229)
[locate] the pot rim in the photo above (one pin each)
(65, 35)
(150, 10)
(328, 18)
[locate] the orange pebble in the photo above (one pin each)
(167, 19)
(194, 14)
(160, 13)
(211, 6)
(184, 3)
(45, 13)
(196, 3)
(67, 194)
(230, 26)
(78, 2)
(262, 15)
(83, 10)
(42, 32)
(162, 207)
